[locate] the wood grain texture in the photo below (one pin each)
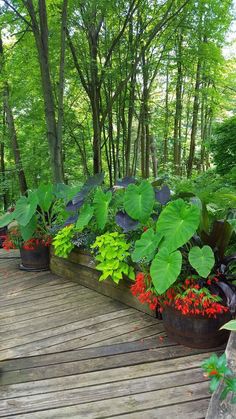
(67, 351)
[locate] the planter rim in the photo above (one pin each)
(193, 316)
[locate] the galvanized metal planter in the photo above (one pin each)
(195, 331)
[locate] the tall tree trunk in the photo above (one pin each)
(40, 31)
(95, 99)
(178, 105)
(2, 162)
(14, 141)
(194, 120)
(154, 156)
(62, 76)
(8, 117)
(166, 123)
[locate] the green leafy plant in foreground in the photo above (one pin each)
(112, 252)
(63, 241)
(217, 370)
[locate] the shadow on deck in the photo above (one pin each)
(69, 352)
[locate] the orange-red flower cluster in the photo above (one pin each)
(141, 289)
(33, 243)
(8, 244)
(14, 241)
(190, 299)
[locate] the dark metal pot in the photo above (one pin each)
(195, 331)
(36, 259)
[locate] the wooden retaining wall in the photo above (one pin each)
(80, 267)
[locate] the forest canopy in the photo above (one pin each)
(128, 87)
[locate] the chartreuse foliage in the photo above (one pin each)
(218, 371)
(112, 252)
(63, 241)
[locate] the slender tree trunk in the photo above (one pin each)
(40, 31)
(61, 75)
(2, 163)
(14, 142)
(166, 123)
(154, 157)
(194, 120)
(178, 105)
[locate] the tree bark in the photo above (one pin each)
(2, 163)
(60, 115)
(194, 120)
(40, 31)
(14, 142)
(178, 105)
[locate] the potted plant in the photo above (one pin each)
(185, 279)
(34, 252)
(33, 219)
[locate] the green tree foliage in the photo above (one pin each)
(224, 146)
(124, 76)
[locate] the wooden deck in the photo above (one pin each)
(69, 352)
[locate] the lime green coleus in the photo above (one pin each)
(112, 252)
(62, 242)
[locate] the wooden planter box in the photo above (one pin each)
(80, 267)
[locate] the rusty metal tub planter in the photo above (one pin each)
(195, 331)
(36, 260)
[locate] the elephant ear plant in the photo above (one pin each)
(181, 268)
(35, 214)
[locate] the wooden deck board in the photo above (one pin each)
(69, 352)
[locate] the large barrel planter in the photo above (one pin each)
(195, 331)
(37, 259)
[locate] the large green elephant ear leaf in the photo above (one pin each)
(202, 260)
(85, 216)
(6, 219)
(139, 201)
(45, 196)
(146, 247)
(165, 269)
(26, 208)
(177, 223)
(101, 205)
(28, 230)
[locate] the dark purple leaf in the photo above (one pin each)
(71, 220)
(155, 217)
(74, 207)
(219, 237)
(125, 181)
(230, 295)
(90, 183)
(94, 181)
(125, 221)
(163, 195)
